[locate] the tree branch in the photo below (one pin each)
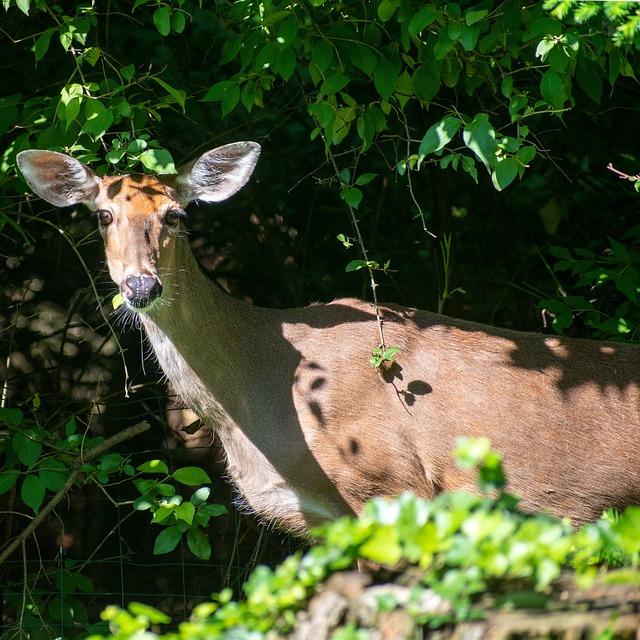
(78, 461)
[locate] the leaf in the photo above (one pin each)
(99, 119)
(27, 449)
(471, 17)
(552, 89)
(177, 94)
(385, 78)
(32, 492)
(167, 540)
(386, 9)
(162, 20)
(11, 417)
(355, 265)
(322, 55)
(438, 135)
(504, 173)
(178, 21)
(53, 474)
(199, 544)
(363, 57)
(8, 479)
(42, 44)
(479, 136)
(365, 178)
(149, 613)
(421, 20)
(153, 466)
(191, 476)
(351, 196)
(185, 511)
(158, 161)
(426, 82)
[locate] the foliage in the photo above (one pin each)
(622, 16)
(465, 545)
(364, 101)
(610, 305)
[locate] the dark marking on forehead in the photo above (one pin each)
(148, 185)
(114, 188)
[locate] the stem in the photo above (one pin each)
(81, 459)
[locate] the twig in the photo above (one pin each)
(76, 464)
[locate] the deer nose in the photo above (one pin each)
(142, 290)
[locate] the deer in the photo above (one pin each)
(310, 429)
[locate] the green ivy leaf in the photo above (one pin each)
(421, 20)
(158, 161)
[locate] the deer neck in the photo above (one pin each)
(196, 332)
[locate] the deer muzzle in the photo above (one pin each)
(141, 290)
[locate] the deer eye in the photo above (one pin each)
(172, 217)
(105, 218)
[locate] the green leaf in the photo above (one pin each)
(42, 44)
(363, 57)
(11, 417)
(504, 173)
(191, 476)
(386, 9)
(99, 119)
(479, 136)
(162, 20)
(178, 21)
(148, 613)
(158, 161)
(27, 449)
(322, 55)
(385, 78)
(177, 94)
(471, 17)
(53, 474)
(438, 135)
(185, 511)
(8, 479)
(421, 20)
(355, 265)
(426, 82)
(153, 466)
(351, 196)
(552, 89)
(365, 178)
(32, 492)
(167, 540)
(199, 544)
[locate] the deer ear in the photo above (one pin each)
(217, 174)
(58, 178)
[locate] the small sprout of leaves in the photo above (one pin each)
(118, 300)
(345, 240)
(382, 355)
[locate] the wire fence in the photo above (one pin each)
(95, 550)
